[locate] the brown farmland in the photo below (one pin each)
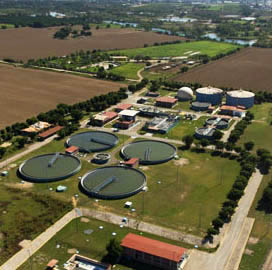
(26, 43)
(26, 93)
(249, 69)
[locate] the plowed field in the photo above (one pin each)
(26, 43)
(249, 69)
(26, 93)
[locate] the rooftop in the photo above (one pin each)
(231, 108)
(240, 93)
(209, 90)
(166, 99)
(50, 131)
(124, 106)
(128, 113)
(131, 161)
(153, 247)
(71, 149)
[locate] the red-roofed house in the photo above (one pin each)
(105, 117)
(122, 107)
(153, 252)
(72, 150)
(167, 102)
(233, 110)
(133, 162)
(51, 131)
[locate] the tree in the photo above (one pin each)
(76, 115)
(217, 135)
(188, 140)
(114, 250)
(204, 142)
(218, 223)
(249, 145)
(86, 27)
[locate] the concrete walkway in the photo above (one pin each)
(23, 255)
(30, 149)
(221, 258)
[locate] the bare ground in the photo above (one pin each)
(26, 43)
(249, 69)
(26, 93)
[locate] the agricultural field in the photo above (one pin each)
(209, 48)
(249, 69)
(28, 92)
(72, 237)
(129, 70)
(37, 43)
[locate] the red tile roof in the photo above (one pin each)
(131, 161)
(52, 263)
(110, 115)
(71, 149)
(153, 247)
(231, 108)
(123, 106)
(166, 99)
(50, 132)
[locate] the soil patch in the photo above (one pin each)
(25, 185)
(253, 240)
(71, 251)
(85, 220)
(182, 162)
(39, 42)
(249, 69)
(28, 92)
(25, 243)
(248, 251)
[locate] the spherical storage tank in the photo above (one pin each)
(209, 95)
(240, 98)
(185, 93)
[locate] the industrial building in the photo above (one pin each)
(167, 102)
(35, 128)
(154, 252)
(240, 98)
(209, 95)
(151, 112)
(103, 118)
(50, 132)
(185, 93)
(161, 124)
(233, 110)
(127, 119)
(123, 106)
(204, 133)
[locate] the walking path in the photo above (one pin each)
(23, 255)
(227, 133)
(142, 226)
(30, 149)
(221, 258)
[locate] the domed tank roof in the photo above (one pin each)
(240, 94)
(209, 90)
(185, 93)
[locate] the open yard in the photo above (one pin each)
(182, 194)
(204, 47)
(249, 69)
(72, 238)
(26, 93)
(129, 70)
(39, 42)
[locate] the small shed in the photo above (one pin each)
(167, 102)
(133, 162)
(72, 150)
(52, 264)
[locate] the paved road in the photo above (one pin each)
(23, 255)
(219, 259)
(30, 149)
(227, 133)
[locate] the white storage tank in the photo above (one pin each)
(185, 93)
(240, 98)
(210, 95)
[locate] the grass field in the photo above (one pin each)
(259, 244)
(129, 70)
(258, 131)
(204, 47)
(184, 127)
(6, 25)
(94, 246)
(188, 196)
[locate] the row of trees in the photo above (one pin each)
(248, 163)
(239, 129)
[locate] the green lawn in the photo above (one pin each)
(188, 197)
(129, 70)
(204, 47)
(184, 127)
(6, 25)
(262, 232)
(94, 246)
(262, 112)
